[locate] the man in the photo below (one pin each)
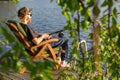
(25, 16)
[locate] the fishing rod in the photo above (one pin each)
(59, 31)
(60, 34)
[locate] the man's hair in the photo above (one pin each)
(23, 11)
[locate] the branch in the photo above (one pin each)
(111, 42)
(109, 13)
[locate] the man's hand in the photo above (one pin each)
(46, 36)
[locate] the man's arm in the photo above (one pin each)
(37, 40)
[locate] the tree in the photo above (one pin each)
(105, 36)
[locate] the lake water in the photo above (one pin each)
(47, 17)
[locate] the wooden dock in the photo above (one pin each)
(14, 76)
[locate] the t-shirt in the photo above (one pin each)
(31, 34)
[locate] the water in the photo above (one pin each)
(47, 17)
(7, 9)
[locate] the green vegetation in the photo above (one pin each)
(16, 1)
(105, 37)
(102, 63)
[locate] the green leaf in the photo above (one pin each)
(85, 25)
(90, 36)
(118, 41)
(15, 1)
(90, 3)
(114, 22)
(110, 2)
(96, 10)
(7, 34)
(66, 13)
(1, 50)
(86, 13)
(104, 3)
(72, 33)
(115, 13)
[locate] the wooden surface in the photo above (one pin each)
(15, 76)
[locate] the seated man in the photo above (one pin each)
(25, 16)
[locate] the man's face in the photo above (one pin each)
(29, 16)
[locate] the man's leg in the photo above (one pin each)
(63, 42)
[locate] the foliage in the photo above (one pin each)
(105, 37)
(16, 57)
(16, 1)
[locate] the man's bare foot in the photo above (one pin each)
(64, 64)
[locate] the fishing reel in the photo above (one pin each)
(60, 34)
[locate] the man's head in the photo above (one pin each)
(25, 13)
